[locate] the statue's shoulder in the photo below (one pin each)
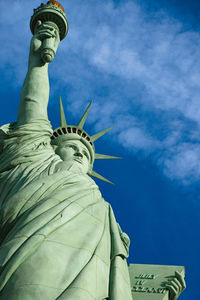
(41, 126)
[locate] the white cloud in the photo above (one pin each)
(183, 163)
(136, 139)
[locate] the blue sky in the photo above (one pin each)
(139, 62)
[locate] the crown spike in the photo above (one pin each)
(96, 175)
(102, 156)
(63, 122)
(99, 134)
(84, 117)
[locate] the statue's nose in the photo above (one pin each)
(79, 154)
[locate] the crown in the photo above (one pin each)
(70, 132)
(54, 12)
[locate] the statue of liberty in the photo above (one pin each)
(59, 238)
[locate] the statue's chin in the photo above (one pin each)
(73, 166)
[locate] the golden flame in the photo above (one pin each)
(54, 2)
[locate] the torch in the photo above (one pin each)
(53, 14)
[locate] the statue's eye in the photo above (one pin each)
(73, 147)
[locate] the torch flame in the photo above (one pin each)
(54, 2)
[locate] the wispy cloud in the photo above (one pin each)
(142, 72)
(183, 163)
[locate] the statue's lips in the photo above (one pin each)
(79, 160)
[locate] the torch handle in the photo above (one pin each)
(47, 50)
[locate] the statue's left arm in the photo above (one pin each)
(35, 91)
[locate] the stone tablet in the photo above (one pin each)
(146, 280)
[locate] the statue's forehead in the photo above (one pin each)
(74, 142)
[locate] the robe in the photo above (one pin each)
(58, 237)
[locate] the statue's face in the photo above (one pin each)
(75, 153)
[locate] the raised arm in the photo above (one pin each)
(35, 91)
